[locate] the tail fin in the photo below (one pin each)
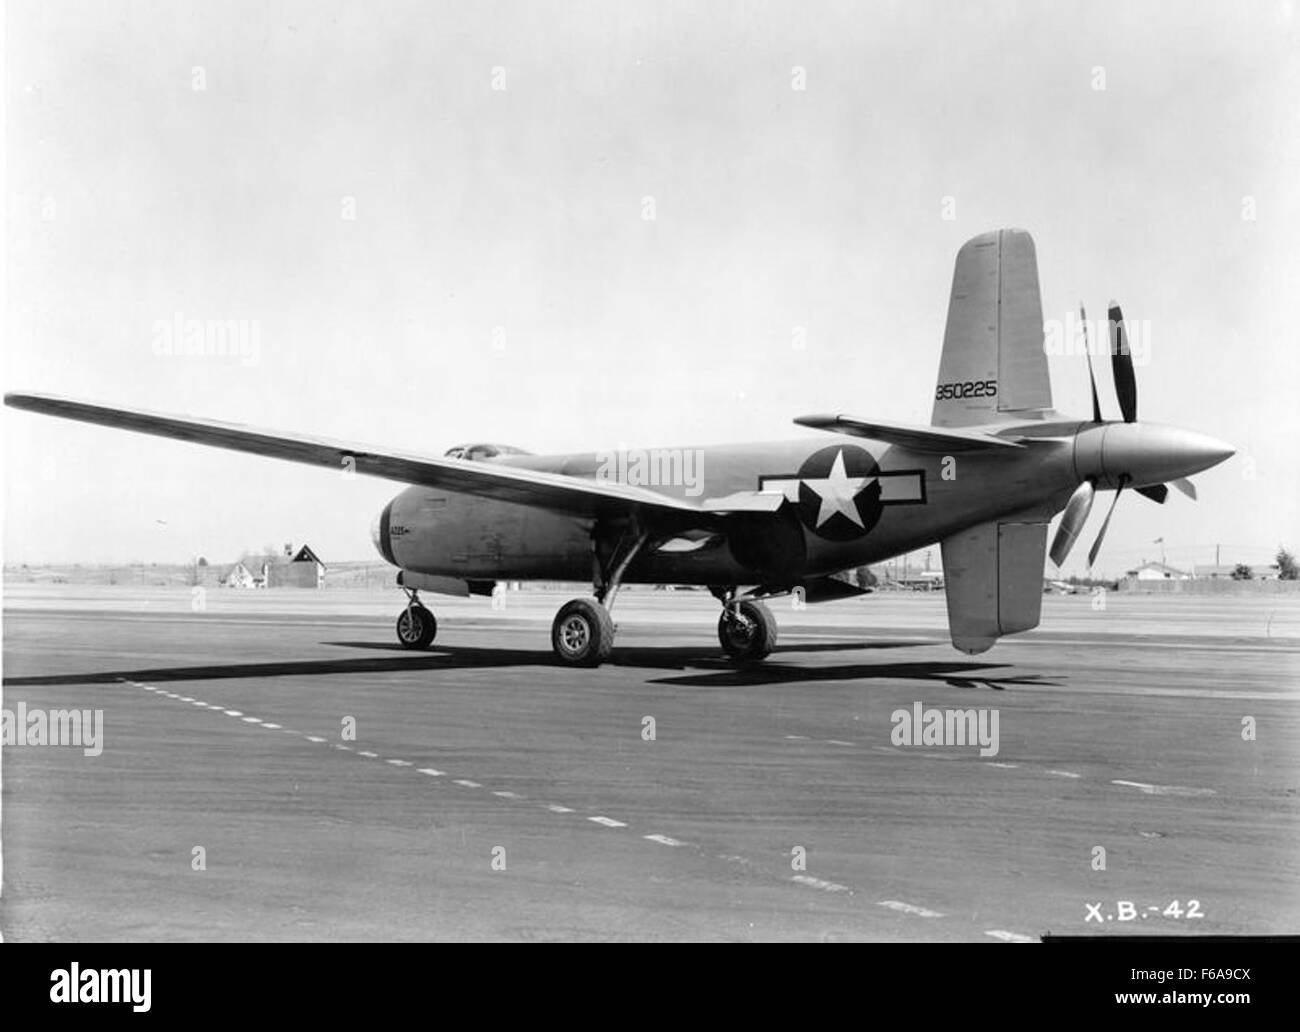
(993, 575)
(993, 364)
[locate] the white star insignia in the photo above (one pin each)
(838, 491)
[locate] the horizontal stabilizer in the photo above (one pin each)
(918, 438)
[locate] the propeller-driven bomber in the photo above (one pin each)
(758, 521)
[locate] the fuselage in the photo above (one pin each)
(851, 502)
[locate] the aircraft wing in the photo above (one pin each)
(918, 438)
(487, 479)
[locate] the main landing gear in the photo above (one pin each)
(746, 630)
(416, 625)
(582, 633)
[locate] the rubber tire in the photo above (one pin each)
(428, 628)
(598, 639)
(762, 638)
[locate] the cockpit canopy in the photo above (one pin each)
(478, 452)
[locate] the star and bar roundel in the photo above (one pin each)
(840, 492)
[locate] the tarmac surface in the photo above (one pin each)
(489, 793)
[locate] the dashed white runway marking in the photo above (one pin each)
(908, 908)
(1005, 766)
(997, 933)
(1175, 790)
(818, 883)
(660, 839)
(1063, 774)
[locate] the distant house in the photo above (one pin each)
(301, 570)
(1157, 571)
(239, 576)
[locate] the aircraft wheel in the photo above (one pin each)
(582, 633)
(747, 632)
(416, 627)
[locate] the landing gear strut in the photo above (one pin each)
(582, 633)
(746, 631)
(416, 625)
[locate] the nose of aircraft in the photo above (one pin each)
(380, 536)
(1146, 453)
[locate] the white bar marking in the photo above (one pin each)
(818, 883)
(997, 933)
(908, 908)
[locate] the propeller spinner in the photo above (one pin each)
(1147, 457)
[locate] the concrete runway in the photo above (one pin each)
(1119, 728)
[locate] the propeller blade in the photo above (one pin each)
(1121, 364)
(1101, 534)
(1185, 486)
(1075, 516)
(1087, 353)
(1156, 492)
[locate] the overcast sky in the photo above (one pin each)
(430, 258)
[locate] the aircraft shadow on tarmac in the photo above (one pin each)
(702, 667)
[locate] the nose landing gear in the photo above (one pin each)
(416, 626)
